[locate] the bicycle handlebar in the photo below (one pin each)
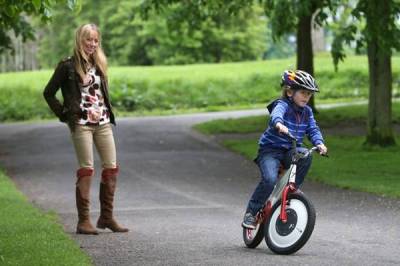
(290, 136)
(294, 144)
(316, 149)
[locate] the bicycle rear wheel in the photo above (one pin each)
(287, 238)
(253, 237)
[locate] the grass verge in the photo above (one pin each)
(350, 166)
(30, 237)
(326, 118)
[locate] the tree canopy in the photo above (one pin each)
(161, 38)
(14, 17)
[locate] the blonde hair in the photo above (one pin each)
(82, 60)
(285, 90)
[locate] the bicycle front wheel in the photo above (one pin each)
(287, 238)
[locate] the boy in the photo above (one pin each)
(288, 114)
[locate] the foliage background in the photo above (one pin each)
(130, 40)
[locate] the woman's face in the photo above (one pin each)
(91, 42)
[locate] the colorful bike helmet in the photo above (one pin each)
(299, 79)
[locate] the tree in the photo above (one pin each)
(130, 40)
(14, 17)
(217, 34)
(216, 38)
(287, 16)
(380, 34)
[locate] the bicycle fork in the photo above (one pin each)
(289, 188)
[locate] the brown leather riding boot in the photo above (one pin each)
(83, 202)
(107, 191)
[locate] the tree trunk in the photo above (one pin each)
(380, 131)
(305, 56)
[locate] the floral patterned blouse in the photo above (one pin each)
(94, 112)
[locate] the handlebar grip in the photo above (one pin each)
(316, 149)
(290, 136)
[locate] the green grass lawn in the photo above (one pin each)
(350, 165)
(30, 237)
(198, 87)
(326, 118)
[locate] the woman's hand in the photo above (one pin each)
(89, 79)
(323, 150)
(282, 128)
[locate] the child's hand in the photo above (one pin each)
(282, 128)
(323, 150)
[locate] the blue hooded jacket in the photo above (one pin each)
(299, 120)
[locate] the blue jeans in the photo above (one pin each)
(268, 160)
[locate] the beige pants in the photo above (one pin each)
(83, 138)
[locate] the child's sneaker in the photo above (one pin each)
(249, 221)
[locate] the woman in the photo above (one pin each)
(87, 110)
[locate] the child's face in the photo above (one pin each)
(300, 97)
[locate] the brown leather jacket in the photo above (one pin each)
(66, 78)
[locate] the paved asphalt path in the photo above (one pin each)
(183, 198)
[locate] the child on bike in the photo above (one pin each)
(289, 114)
